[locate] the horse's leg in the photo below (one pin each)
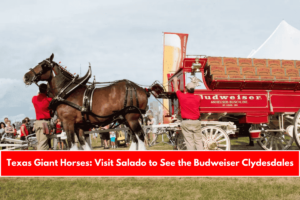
(84, 140)
(79, 140)
(69, 128)
(138, 132)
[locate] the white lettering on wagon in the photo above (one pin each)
(216, 97)
(231, 100)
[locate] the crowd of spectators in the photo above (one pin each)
(107, 139)
(112, 139)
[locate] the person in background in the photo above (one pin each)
(24, 131)
(28, 125)
(95, 135)
(2, 131)
(9, 129)
(106, 137)
(152, 122)
(101, 138)
(63, 138)
(15, 131)
(57, 141)
(41, 103)
(148, 130)
(2, 128)
(5, 121)
(127, 136)
(113, 139)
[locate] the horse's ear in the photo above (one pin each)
(51, 57)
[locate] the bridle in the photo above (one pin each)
(46, 65)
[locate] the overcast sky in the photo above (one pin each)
(123, 39)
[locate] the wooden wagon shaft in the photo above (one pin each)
(14, 141)
(171, 125)
(106, 130)
(13, 145)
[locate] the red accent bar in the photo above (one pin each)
(169, 163)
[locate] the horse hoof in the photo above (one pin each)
(74, 148)
(86, 147)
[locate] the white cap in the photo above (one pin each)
(190, 85)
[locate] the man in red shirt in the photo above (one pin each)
(41, 103)
(190, 113)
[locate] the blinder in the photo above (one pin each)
(46, 65)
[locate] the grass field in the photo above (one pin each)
(150, 188)
(153, 188)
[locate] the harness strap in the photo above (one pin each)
(86, 102)
(125, 102)
(136, 97)
(131, 99)
(64, 89)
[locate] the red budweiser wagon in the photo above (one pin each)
(260, 94)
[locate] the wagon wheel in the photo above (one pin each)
(215, 138)
(275, 141)
(296, 132)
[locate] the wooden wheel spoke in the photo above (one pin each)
(219, 136)
(216, 133)
(206, 133)
(221, 145)
(271, 144)
(280, 144)
(220, 141)
(267, 142)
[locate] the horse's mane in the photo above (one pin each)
(64, 72)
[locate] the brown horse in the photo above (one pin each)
(108, 104)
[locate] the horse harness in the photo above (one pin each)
(86, 108)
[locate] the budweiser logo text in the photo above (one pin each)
(231, 97)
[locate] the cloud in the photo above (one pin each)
(15, 97)
(123, 38)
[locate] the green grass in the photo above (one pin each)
(150, 188)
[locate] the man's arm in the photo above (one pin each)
(23, 130)
(175, 83)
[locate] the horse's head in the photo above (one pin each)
(41, 72)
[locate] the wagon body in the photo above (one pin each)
(257, 92)
(245, 96)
